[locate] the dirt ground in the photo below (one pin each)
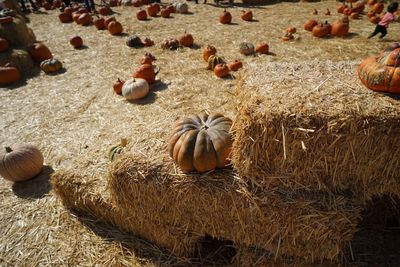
(74, 117)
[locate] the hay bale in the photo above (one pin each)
(176, 210)
(314, 125)
(18, 58)
(17, 33)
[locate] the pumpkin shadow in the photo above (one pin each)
(60, 71)
(15, 85)
(124, 34)
(159, 86)
(149, 99)
(36, 187)
(83, 47)
(195, 47)
(187, 13)
(351, 35)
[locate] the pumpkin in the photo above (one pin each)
(262, 48)
(288, 37)
(99, 23)
(235, 65)
(117, 86)
(340, 28)
(68, 10)
(358, 7)
(76, 42)
(171, 9)
(105, 11)
(377, 8)
(375, 19)
(20, 162)
(50, 65)
(39, 52)
(134, 41)
(328, 12)
(247, 15)
(310, 24)
(165, 13)
(148, 58)
(147, 42)
(328, 27)
(320, 31)
(347, 11)
(201, 142)
(46, 6)
(341, 8)
(181, 8)
(371, 2)
(136, 3)
(9, 75)
(246, 48)
(117, 149)
(225, 17)
(213, 61)
(171, 44)
(141, 14)
(153, 10)
(135, 88)
(57, 3)
(186, 40)
(108, 20)
(65, 17)
(315, 12)
(208, 51)
(146, 72)
(354, 15)
(115, 28)
(85, 19)
(370, 14)
(291, 30)
(83, 10)
(221, 70)
(3, 45)
(75, 17)
(382, 73)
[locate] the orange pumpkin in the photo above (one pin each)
(3, 45)
(320, 31)
(375, 19)
(105, 11)
(117, 86)
(247, 15)
(377, 8)
(85, 19)
(9, 75)
(165, 13)
(358, 7)
(201, 142)
(108, 20)
(153, 10)
(288, 37)
(39, 52)
(208, 51)
(310, 24)
(148, 58)
(262, 48)
(65, 17)
(99, 23)
(225, 17)
(76, 42)
(340, 28)
(354, 15)
(75, 17)
(347, 11)
(291, 30)
(141, 14)
(68, 10)
(341, 8)
(115, 28)
(146, 72)
(221, 70)
(186, 40)
(371, 2)
(235, 65)
(171, 9)
(370, 14)
(382, 73)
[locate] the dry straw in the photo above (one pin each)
(314, 126)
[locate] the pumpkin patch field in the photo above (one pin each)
(102, 105)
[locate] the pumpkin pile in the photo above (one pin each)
(289, 34)
(339, 28)
(218, 64)
(382, 73)
(201, 142)
(375, 12)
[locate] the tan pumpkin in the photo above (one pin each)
(135, 88)
(39, 52)
(208, 51)
(262, 48)
(115, 28)
(225, 17)
(186, 40)
(235, 65)
(4, 45)
(20, 162)
(117, 86)
(221, 70)
(247, 15)
(201, 142)
(9, 75)
(181, 8)
(147, 72)
(50, 65)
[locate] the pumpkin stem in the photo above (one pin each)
(8, 149)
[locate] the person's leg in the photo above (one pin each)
(383, 32)
(376, 31)
(92, 5)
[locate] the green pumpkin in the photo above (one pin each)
(50, 65)
(213, 61)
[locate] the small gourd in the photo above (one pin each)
(50, 65)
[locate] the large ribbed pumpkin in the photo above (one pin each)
(201, 142)
(20, 162)
(382, 73)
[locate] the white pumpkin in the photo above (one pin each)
(135, 88)
(182, 8)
